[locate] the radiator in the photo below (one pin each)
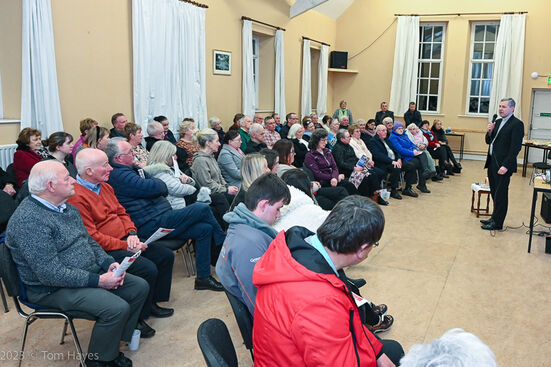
(6, 155)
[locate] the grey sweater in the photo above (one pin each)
(53, 250)
(206, 172)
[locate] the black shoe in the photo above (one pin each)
(146, 331)
(208, 283)
(409, 192)
(121, 361)
(381, 201)
(456, 169)
(423, 189)
(94, 363)
(486, 221)
(395, 194)
(160, 312)
(437, 178)
(357, 282)
(491, 227)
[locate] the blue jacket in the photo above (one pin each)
(143, 198)
(403, 145)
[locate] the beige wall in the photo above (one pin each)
(93, 44)
(364, 21)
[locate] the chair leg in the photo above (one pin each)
(75, 339)
(28, 321)
(182, 250)
(6, 309)
(64, 333)
(192, 258)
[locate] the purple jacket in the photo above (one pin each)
(323, 166)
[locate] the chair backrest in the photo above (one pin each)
(8, 271)
(216, 344)
(309, 173)
(244, 319)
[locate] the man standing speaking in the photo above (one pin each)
(505, 139)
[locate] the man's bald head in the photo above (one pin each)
(93, 166)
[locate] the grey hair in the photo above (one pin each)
(242, 119)
(343, 116)
(293, 131)
(153, 127)
(358, 121)
(455, 348)
(509, 100)
(213, 121)
(380, 127)
(82, 163)
(39, 177)
(412, 125)
(388, 118)
(112, 148)
(161, 152)
(255, 128)
(204, 136)
(341, 133)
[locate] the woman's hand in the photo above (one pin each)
(334, 182)
(341, 177)
(184, 179)
(8, 189)
(358, 169)
(233, 190)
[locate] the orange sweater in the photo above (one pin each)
(103, 215)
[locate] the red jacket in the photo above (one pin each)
(431, 138)
(303, 313)
(23, 161)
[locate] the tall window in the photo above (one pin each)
(256, 63)
(429, 76)
(483, 40)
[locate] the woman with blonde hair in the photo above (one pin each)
(252, 167)
(96, 138)
(186, 142)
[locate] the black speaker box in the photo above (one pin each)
(338, 60)
(546, 207)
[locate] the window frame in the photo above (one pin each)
(441, 67)
(256, 66)
(482, 60)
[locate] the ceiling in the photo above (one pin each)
(330, 8)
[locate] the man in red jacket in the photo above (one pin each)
(305, 315)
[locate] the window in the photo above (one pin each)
(429, 75)
(483, 40)
(256, 62)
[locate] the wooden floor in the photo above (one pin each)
(435, 269)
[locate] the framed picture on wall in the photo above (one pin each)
(222, 62)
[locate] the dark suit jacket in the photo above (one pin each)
(414, 117)
(380, 155)
(507, 144)
(380, 115)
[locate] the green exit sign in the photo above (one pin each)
(549, 80)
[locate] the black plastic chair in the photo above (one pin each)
(16, 290)
(244, 320)
(216, 344)
(540, 167)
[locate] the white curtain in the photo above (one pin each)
(279, 93)
(169, 62)
(249, 93)
(306, 98)
(508, 62)
(40, 107)
(321, 107)
(406, 57)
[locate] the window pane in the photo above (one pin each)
(422, 103)
(477, 50)
(433, 86)
(488, 70)
(426, 51)
(435, 70)
(479, 33)
(486, 86)
(438, 31)
(427, 34)
(423, 86)
(436, 50)
(473, 105)
(489, 51)
(484, 105)
(476, 70)
(490, 33)
(433, 103)
(424, 69)
(475, 87)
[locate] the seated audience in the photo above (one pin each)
(424, 137)
(236, 118)
(160, 165)
(249, 235)
(97, 138)
(272, 159)
(367, 130)
(111, 227)
(308, 126)
(133, 133)
(305, 313)
(245, 123)
(143, 197)
(296, 135)
(388, 159)
(119, 121)
(456, 348)
(216, 125)
(326, 121)
(69, 270)
(412, 157)
(168, 134)
(356, 142)
(277, 120)
(156, 133)
(334, 127)
(186, 142)
(384, 112)
(206, 172)
(315, 120)
(258, 119)
(256, 131)
(60, 146)
(389, 124)
(230, 157)
(252, 167)
(412, 115)
(415, 135)
(344, 122)
(342, 111)
(27, 153)
(291, 119)
(270, 135)
(85, 126)
(7, 200)
(440, 135)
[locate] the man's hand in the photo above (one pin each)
(396, 164)
(341, 177)
(370, 164)
(437, 145)
(233, 190)
(358, 169)
(491, 126)
(109, 280)
(134, 244)
(113, 266)
(502, 170)
(334, 182)
(384, 361)
(422, 146)
(8, 189)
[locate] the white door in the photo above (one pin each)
(540, 124)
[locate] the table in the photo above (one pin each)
(462, 145)
(479, 190)
(539, 186)
(527, 146)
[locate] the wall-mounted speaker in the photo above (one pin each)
(338, 60)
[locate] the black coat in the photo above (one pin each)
(380, 155)
(345, 158)
(507, 144)
(254, 147)
(414, 117)
(379, 116)
(300, 153)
